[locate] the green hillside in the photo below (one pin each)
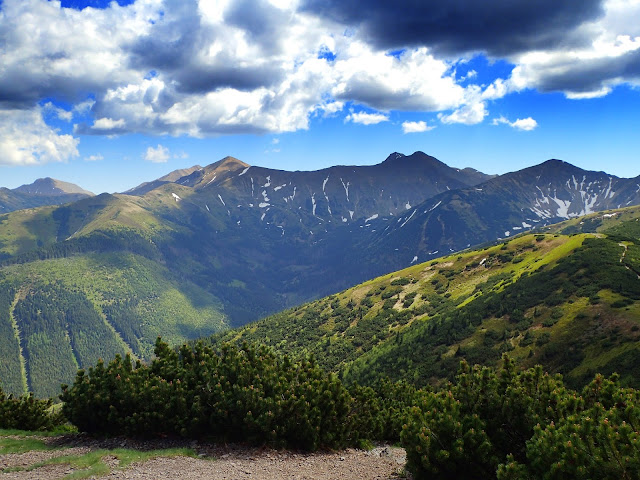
(568, 302)
(61, 314)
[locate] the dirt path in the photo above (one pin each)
(215, 462)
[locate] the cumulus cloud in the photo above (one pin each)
(469, 114)
(411, 81)
(416, 127)
(526, 124)
(94, 158)
(455, 27)
(197, 68)
(366, 118)
(50, 51)
(61, 113)
(25, 139)
(159, 154)
(590, 70)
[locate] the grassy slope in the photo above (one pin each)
(568, 302)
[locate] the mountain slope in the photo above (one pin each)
(61, 314)
(44, 191)
(170, 177)
(498, 208)
(571, 303)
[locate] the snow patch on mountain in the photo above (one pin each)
(346, 188)
(410, 217)
(434, 207)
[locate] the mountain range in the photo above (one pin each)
(567, 297)
(206, 248)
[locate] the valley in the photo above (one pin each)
(205, 249)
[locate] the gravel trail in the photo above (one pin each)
(213, 462)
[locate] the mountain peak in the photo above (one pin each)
(394, 156)
(227, 164)
(229, 161)
(178, 174)
(415, 157)
(51, 187)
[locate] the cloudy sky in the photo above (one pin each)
(108, 95)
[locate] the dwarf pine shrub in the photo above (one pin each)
(28, 413)
(516, 425)
(242, 394)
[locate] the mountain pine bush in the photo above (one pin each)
(516, 425)
(28, 413)
(242, 394)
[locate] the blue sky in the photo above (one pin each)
(108, 95)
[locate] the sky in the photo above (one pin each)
(110, 94)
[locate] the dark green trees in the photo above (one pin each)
(521, 425)
(27, 413)
(246, 394)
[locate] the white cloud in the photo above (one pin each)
(176, 67)
(61, 113)
(25, 139)
(329, 109)
(159, 154)
(526, 124)
(416, 127)
(108, 123)
(181, 155)
(610, 58)
(469, 114)
(366, 118)
(94, 158)
(414, 81)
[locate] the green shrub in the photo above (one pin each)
(469, 428)
(240, 394)
(28, 413)
(510, 425)
(601, 441)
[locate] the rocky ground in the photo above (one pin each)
(213, 462)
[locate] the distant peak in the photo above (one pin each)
(232, 160)
(394, 156)
(227, 163)
(52, 187)
(413, 159)
(556, 164)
